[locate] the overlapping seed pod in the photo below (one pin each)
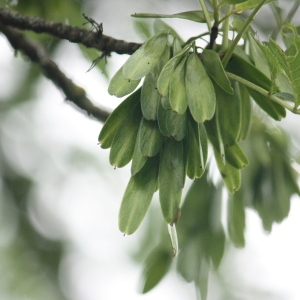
(164, 126)
(177, 91)
(150, 97)
(224, 132)
(200, 91)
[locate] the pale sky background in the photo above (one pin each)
(82, 207)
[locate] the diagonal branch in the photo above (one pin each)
(73, 34)
(38, 54)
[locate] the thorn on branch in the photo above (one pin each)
(94, 25)
(98, 59)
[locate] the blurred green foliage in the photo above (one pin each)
(29, 261)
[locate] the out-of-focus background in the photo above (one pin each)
(59, 196)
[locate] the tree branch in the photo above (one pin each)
(73, 34)
(38, 54)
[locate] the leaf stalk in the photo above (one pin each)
(206, 14)
(240, 34)
(263, 92)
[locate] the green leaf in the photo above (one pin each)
(283, 81)
(176, 46)
(200, 91)
(258, 55)
(119, 86)
(143, 60)
(232, 154)
(195, 15)
(203, 144)
(189, 259)
(273, 66)
(192, 266)
(236, 219)
(231, 176)
(271, 61)
(162, 120)
(165, 75)
(281, 191)
(214, 67)
(171, 123)
(212, 235)
(197, 150)
(138, 196)
(200, 230)
(246, 111)
(290, 63)
(291, 177)
(274, 110)
(116, 118)
(262, 204)
(213, 129)
(123, 143)
(239, 66)
(229, 115)
(177, 92)
(250, 4)
(157, 265)
(166, 103)
(171, 179)
(236, 156)
(193, 169)
(176, 124)
(215, 242)
(150, 138)
(138, 160)
(196, 206)
(149, 95)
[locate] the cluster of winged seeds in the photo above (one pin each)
(164, 126)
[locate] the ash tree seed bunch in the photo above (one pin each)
(164, 122)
